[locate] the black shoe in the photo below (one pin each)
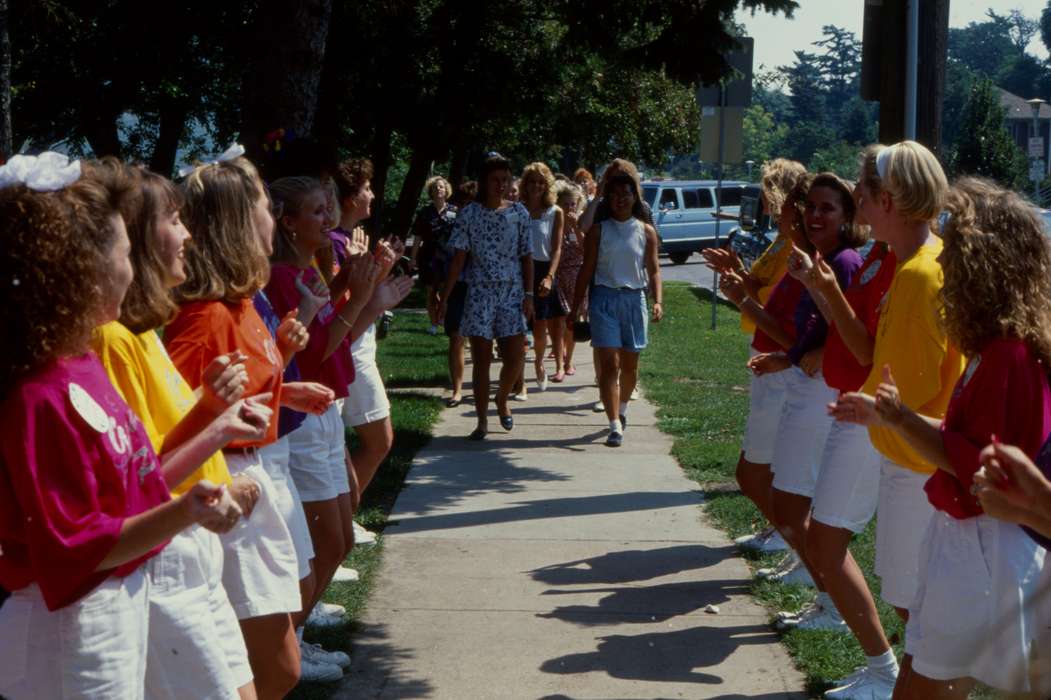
(453, 403)
(614, 439)
(478, 434)
(507, 422)
(623, 421)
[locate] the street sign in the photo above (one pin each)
(1037, 171)
(739, 88)
(733, 134)
(1036, 146)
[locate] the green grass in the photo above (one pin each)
(697, 379)
(406, 357)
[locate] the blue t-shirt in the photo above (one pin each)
(288, 419)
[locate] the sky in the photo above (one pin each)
(776, 38)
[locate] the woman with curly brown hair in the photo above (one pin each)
(86, 507)
(972, 617)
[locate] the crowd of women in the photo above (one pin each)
(176, 491)
(901, 345)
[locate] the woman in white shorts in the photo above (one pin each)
(772, 295)
(974, 615)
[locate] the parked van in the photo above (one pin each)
(684, 213)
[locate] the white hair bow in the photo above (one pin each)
(882, 160)
(47, 172)
(235, 150)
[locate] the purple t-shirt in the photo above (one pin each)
(287, 419)
(811, 326)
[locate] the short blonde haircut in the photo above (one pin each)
(225, 261)
(778, 178)
(538, 171)
(432, 184)
(997, 269)
(914, 179)
(564, 188)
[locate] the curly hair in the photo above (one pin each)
(148, 303)
(568, 189)
(287, 195)
(53, 270)
(540, 172)
(432, 184)
(778, 178)
(997, 269)
(851, 235)
(912, 177)
(583, 174)
(351, 175)
(225, 260)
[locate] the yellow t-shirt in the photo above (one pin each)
(910, 339)
(142, 372)
(769, 268)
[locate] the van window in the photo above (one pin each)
(731, 196)
(669, 200)
(697, 199)
(649, 194)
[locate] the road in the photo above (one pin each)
(692, 271)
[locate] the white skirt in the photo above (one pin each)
(195, 645)
(93, 648)
(260, 569)
(975, 614)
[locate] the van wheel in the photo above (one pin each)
(679, 258)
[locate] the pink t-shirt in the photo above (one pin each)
(74, 463)
(1003, 392)
(337, 370)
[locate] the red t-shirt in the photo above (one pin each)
(1003, 392)
(203, 330)
(335, 372)
(782, 306)
(840, 368)
(75, 462)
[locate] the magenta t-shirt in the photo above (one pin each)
(1003, 392)
(337, 370)
(75, 461)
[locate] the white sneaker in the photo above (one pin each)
(363, 536)
(787, 563)
(315, 672)
(769, 540)
(318, 619)
(866, 686)
(825, 619)
(314, 652)
(598, 407)
(330, 609)
(519, 397)
(854, 676)
(805, 611)
(541, 382)
(787, 620)
(797, 575)
(345, 574)
(634, 394)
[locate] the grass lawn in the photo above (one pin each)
(408, 357)
(698, 380)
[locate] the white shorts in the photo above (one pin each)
(276, 457)
(801, 432)
(974, 614)
(902, 516)
(318, 464)
(366, 400)
(260, 570)
(848, 480)
(1043, 630)
(195, 645)
(93, 648)
(765, 399)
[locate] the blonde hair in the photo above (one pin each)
(287, 195)
(565, 188)
(912, 176)
(538, 171)
(225, 261)
(997, 269)
(778, 178)
(432, 184)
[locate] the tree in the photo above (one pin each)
(840, 65)
(983, 146)
(763, 137)
(982, 46)
(6, 134)
(839, 158)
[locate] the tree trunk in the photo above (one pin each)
(380, 156)
(419, 168)
(892, 71)
(283, 81)
(6, 134)
(172, 125)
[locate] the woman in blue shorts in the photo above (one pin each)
(620, 259)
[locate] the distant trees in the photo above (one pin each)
(985, 147)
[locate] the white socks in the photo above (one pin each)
(623, 408)
(614, 425)
(885, 664)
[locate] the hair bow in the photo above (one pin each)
(235, 150)
(882, 161)
(47, 172)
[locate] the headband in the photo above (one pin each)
(882, 161)
(235, 150)
(48, 172)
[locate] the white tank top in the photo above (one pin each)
(540, 235)
(622, 254)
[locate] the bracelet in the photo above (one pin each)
(345, 322)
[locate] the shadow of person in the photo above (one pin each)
(631, 565)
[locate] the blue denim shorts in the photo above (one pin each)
(618, 318)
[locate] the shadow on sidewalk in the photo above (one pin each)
(631, 565)
(378, 664)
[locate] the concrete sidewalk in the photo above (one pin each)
(542, 564)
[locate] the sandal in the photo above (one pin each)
(478, 434)
(453, 402)
(558, 377)
(571, 371)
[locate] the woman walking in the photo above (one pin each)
(430, 238)
(621, 255)
(569, 199)
(495, 233)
